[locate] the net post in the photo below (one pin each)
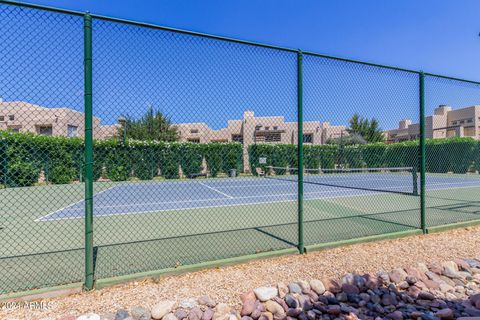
(422, 153)
(301, 247)
(89, 268)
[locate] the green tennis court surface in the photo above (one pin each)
(46, 252)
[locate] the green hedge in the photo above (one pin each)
(223, 157)
(283, 155)
(457, 155)
(24, 155)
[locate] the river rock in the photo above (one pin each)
(161, 309)
(207, 301)
(275, 308)
(398, 275)
(265, 293)
(282, 289)
(317, 286)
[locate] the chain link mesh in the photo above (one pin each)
(41, 83)
(452, 129)
(367, 186)
(187, 194)
(195, 149)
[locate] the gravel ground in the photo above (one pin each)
(226, 284)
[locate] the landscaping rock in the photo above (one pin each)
(180, 314)
(195, 314)
(140, 313)
(282, 289)
(248, 303)
(444, 313)
(207, 314)
(275, 308)
(305, 286)
(440, 292)
(398, 275)
(317, 286)
(161, 309)
(265, 293)
(291, 301)
(294, 287)
(207, 301)
(121, 314)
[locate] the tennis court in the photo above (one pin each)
(143, 226)
(154, 197)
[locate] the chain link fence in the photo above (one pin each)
(127, 148)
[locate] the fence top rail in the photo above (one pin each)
(451, 78)
(205, 35)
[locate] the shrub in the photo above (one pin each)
(169, 157)
(21, 173)
(118, 163)
(62, 174)
(232, 157)
(191, 158)
(61, 167)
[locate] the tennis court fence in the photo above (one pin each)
(128, 148)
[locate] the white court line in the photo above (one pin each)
(214, 206)
(339, 190)
(71, 205)
(216, 190)
(211, 199)
(477, 183)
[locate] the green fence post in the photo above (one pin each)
(422, 154)
(301, 247)
(89, 276)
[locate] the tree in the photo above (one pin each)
(347, 140)
(154, 125)
(368, 129)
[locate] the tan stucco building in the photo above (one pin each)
(26, 117)
(251, 130)
(444, 123)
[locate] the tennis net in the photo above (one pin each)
(402, 180)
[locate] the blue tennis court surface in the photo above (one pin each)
(148, 197)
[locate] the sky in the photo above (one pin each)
(199, 80)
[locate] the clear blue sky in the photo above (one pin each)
(438, 36)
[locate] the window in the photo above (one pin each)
(272, 137)
(197, 140)
(275, 128)
(267, 128)
(462, 121)
(454, 123)
(469, 120)
(45, 130)
(308, 138)
(2, 118)
(258, 128)
(237, 138)
(11, 117)
(72, 131)
(194, 131)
